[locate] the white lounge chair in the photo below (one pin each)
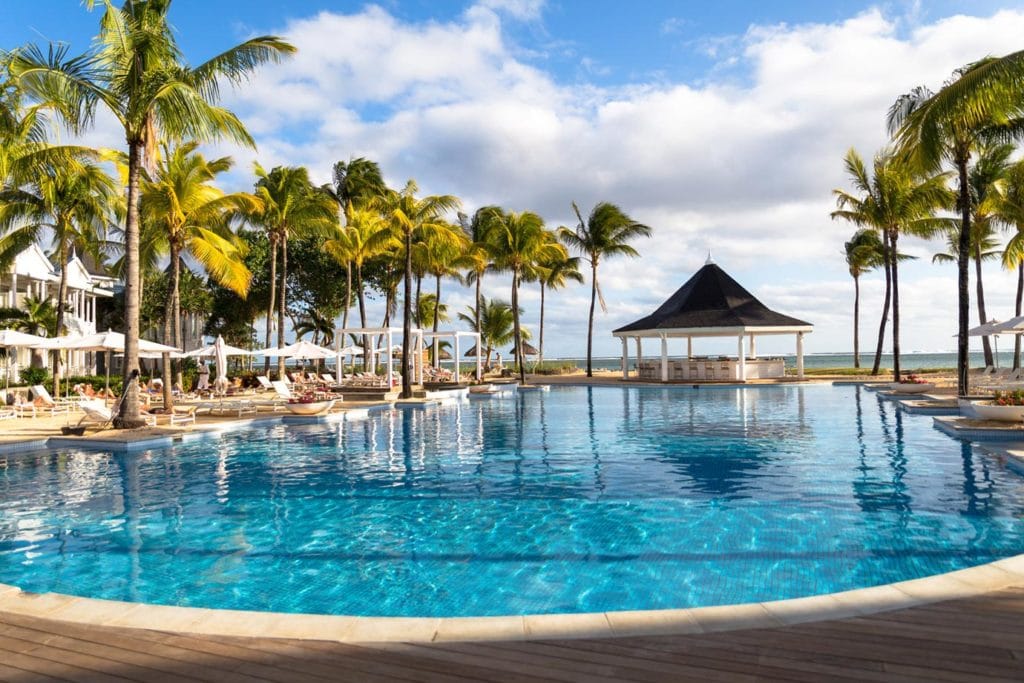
(98, 414)
(63, 406)
(282, 389)
(7, 413)
(265, 382)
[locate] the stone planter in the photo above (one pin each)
(989, 411)
(315, 408)
(901, 388)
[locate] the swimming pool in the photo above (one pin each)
(581, 499)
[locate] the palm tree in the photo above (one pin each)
(355, 182)
(290, 206)
(555, 273)
(137, 72)
(1009, 209)
(365, 236)
(982, 98)
(864, 252)
(410, 216)
(894, 201)
(187, 214)
(518, 243)
(606, 233)
(478, 256)
(497, 324)
(74, 202)
(441, 253)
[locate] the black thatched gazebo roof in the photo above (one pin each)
(711, 303)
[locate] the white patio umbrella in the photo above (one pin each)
(301, 350)
(12, 339)
(211, 350)
(989, 329)
(350, 351)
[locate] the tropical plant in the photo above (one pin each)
(74, 203)
(554, 273)
(409, 216)
(607, 232)
(35, 315)
(1009, 209)
(478, 255)
(519, 243)
(864, 252)
(982, 99)
(497, 325)
(137, 71)
(894, 201)
(290, 206)
(365, 236)
(441, 253)
(185, 214)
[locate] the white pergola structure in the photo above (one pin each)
(389, 333)
(712, 304)
(456, 351)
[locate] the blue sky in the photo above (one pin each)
(720, 124)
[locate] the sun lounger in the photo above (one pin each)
(283, 390)
(55, 407)
(265, 383)
(239, 408)
(98, 414)
(8, 413)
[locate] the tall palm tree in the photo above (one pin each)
(1009, 209)
(519, 243)
(864, 252)
(355, 182)
(895, 201)
(74, 203)
(606, 233)
(555, 273)
(982, 98)
(411, 217)
(442, 253)
(137, 71)
(290, 206)
(188, 215)
(365, 236)
(477, 255)
(496, 327)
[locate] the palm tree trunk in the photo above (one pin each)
(982, 316)
(407, 317)
(540, 342)
(856, 321)
(62, 294)
(171, 324)
(894, 258)
(1020, 300)
(281, 302)
(270, 301)
(885, 304)
(963, 277)
(517, 332)
(437, 309)
(362, 317)
(129, 414)
(590, 320)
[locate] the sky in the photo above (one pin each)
(722, 125)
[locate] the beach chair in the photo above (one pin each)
(265, 383)
(7, 413)
(98, 414)
(55, 407)
(328, 378)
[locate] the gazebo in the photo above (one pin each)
(712, 304)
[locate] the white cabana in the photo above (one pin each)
(456, 336)
(390, 350)
(12, 339)
(712, 304)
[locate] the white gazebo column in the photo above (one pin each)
(664, 358)
(800, 355)
(456, 357)
(753, 346)
(625, 357)
(390, 372)
(689, 348)
(479, 360)
(419, 365)
(12, 296)
(742, 352)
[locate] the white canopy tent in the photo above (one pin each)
(389, 350)
(456, 355)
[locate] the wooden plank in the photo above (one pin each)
(47, 662)
(11, 674)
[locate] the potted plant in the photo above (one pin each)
(912, 384)
(1005, 406)
(306, 404)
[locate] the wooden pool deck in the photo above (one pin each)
(972, 639)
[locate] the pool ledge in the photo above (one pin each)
(199, 621)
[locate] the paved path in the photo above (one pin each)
(974, 639)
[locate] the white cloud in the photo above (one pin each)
(743, 168)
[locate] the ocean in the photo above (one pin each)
(908, 361)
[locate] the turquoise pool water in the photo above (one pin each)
(576, 500)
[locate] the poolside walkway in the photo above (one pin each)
(973, 639)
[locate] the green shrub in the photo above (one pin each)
(33, 376)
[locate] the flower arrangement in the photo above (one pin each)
(913, 379)
(304, 398)
(1008, 398)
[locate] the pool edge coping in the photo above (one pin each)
(963, 583)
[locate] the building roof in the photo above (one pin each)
(712, 300)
